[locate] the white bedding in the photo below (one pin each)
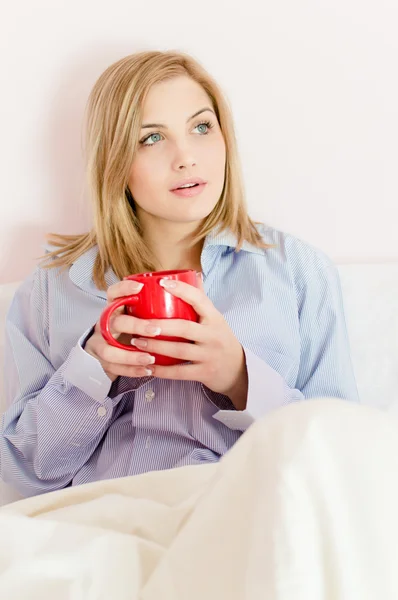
(304, 507)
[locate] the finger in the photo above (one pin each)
(181, 328)
(128, 324)
(118, 356)
(126, 371)
(126, 287)
(181, 372)
(182, 350)
(191, 294)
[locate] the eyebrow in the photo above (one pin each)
(160, 126)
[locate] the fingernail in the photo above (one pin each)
(137, 286)
(139, 343)
(152, 330)
(168, 283)
(146, 359)
(149, 372)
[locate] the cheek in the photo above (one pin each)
(215, 157)
(142, 175)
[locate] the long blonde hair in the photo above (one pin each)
(113, 122)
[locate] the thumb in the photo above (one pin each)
(199, 280)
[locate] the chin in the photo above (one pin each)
(191, 213)
(190, 216)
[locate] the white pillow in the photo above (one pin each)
(370, 296)
(7, 291)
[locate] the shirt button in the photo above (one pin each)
(101, 412)
(149, 395)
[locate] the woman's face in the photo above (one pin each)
(181, 145)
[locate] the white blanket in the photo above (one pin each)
(304, 507)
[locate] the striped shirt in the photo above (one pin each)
(66, 424)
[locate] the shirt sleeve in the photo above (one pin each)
(325, 368)
(55, 417)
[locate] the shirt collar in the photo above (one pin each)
(81, 272)
(227, 238)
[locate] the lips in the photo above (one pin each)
(193, 180)
(189, 192)
(186, 187)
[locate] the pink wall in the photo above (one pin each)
(312, 89)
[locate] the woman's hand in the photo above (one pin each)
(116, 361)
(217, 357)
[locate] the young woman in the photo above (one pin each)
(271, 328)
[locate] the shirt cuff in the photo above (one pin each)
(267, 390)
(86, 373)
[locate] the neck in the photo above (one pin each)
(170, 243)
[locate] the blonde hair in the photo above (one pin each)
(113, 122)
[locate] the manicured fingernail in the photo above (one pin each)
(146, 359)
(151, 330)
(168, 283)
(149, 372)
(137, 286)
(139, 343)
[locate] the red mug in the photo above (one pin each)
(152, 302)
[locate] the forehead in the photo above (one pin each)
(180, 95)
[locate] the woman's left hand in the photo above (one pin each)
(217, 357)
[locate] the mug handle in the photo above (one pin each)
(104, 321)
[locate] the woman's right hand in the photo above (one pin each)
(115, 361)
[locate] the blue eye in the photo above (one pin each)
(205, 124)
(149, 137)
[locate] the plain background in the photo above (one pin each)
(312, 84)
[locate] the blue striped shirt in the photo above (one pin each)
(66, 424)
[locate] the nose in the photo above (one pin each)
(183, 158)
